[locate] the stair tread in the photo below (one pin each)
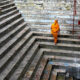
(7, 14)
(26, 61)
(8, 9)
(40, 69)
(9, 34)
(61, 51)
(8, 19)
(13, 40)
(61, 44)
(33, 65)
(18, 57)
(13, 50)
(6, 5)
(14, 22)
(51, 38)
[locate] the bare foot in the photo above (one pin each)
(54, 43)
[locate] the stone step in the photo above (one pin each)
(42, 22)
(8, 14)
(33, 66)
(8, 10)
(10, 44)
(69, 13)
(40, 69)
(62, 26)
(11, 27)
(7, 5)
(48, 18)
(63, 59)
(59, 52)
(60, 40)
(63, 46)
(60, 59)
(11, 54)
(51, 17)
(40, 14)
(46, 72)
(9, 20)
(48, 34)
(48, 29)
(65, 64)
(14, 51)
(4, 2)
(10, 35)
(47, 23)
(19, 60)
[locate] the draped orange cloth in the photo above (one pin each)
(54, 30)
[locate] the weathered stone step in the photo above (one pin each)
(7, 5)
(53, 75)
(34, 65)
(57, 59)
(40, 69)
(62, 30)
(48, 34)
(43, 14)
(19, 60)
(61, 25)
(64, 64)
(48, 18)
(64, 59)
(14, 51)
(45, 22)
(8, 14)
(8, 10)
(46, 73)
(51, 12)
(28, 58)
(10, 35)
(59, 52)
(10, 44)
(10, 27)
(60, 40)
(4, 2)
(64, 46)
(51, 16)
(9, 20)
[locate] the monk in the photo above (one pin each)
(54, 30)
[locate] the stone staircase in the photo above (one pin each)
(26, 53)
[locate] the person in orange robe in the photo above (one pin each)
(54, 30)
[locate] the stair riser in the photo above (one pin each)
(9, 15)
(27, 65)
(12, 57)
(61, 54)
(8, 10)
(69, 31)
(11, 36)
(59, 41)
(7, 6)
(60, 47)
(36, 67)
(50, 35)
(65, 61)
(10, 29)
(10, 47)
(9, 21)
(4, 3)
(22, 59)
